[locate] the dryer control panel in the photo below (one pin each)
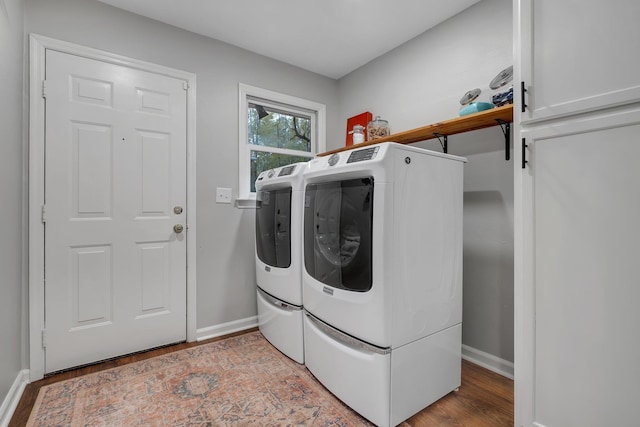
(362, 155)
(354, 156)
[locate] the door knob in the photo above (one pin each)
(178, 228)
(177, 210)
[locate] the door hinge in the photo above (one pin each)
(44, 338)
(44, 214)
(44, 89)
(185, 85)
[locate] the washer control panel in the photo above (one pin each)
(287, 170)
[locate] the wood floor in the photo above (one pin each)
(485, 399)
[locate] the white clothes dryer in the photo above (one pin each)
(382, 283)
(278, 260)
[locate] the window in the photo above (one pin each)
(276, 130)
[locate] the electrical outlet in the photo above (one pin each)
(223, 195)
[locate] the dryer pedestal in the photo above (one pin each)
(386, 386)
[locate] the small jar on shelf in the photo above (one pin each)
(377, 128)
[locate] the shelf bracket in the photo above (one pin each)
(506, 130)
(443, 141)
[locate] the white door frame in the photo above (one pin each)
(38, 46)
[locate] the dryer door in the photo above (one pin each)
(273, 227)
(338, 220)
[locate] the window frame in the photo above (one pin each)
(286, 103)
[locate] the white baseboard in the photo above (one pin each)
(12, 398)
(226, 328)
(488, 361)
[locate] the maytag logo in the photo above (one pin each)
(327, 290)
(267, 268)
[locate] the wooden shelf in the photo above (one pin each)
(484, 119)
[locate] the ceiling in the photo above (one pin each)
(328, 37)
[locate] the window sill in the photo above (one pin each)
(245, 203)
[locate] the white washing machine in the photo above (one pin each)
(279, 201)
(382, 283)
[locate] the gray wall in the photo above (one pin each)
(225, 269)
(11, 160)
(416, 84)
(422, 82)
(488, 254)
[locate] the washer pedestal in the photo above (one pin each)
(281, 325)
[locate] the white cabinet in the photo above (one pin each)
(577, 213)
(579, 323)
(577, 55)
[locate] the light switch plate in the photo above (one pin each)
(223, 195)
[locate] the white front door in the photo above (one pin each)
(115, 187)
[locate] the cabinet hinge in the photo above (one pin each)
(44, 214)
(44, 338)
(185, 85)
(44, 89)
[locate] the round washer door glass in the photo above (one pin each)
(338, 220)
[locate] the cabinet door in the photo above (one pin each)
(577, 281)
(577, 55)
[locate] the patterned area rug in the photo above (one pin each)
(239, 381)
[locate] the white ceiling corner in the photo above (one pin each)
(328, 37)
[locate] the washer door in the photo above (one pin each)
(338, 220)
(273, 227)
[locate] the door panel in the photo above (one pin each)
(92, 168)
(154, 259)
(155, 166)
(115, 168)
(91, 285)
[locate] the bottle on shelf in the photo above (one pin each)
(358, 134)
